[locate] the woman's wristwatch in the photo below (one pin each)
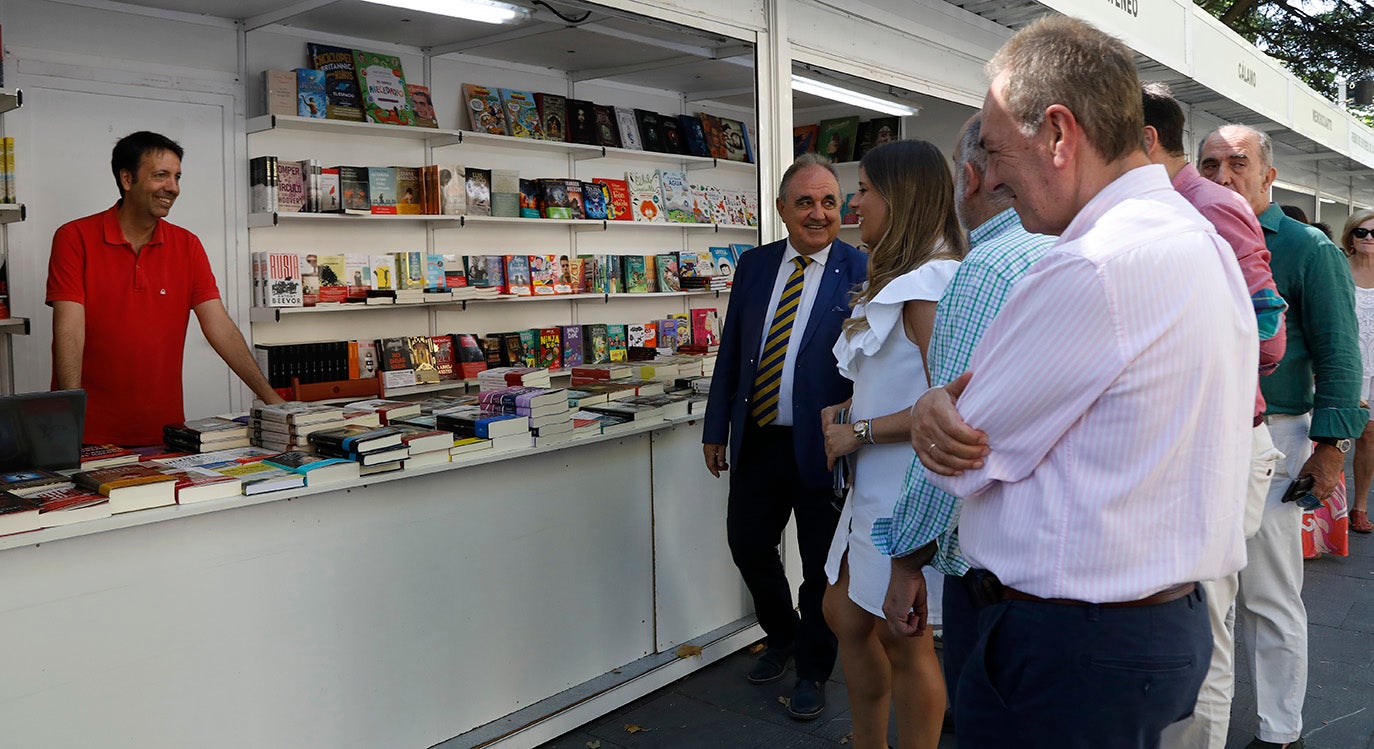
(863, 432)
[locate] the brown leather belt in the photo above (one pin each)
(1163, 596)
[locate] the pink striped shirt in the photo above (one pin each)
(1116, 388)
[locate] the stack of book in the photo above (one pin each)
(243, 464)
(102, 456)
(506, 431)
(377, 449)
(503, 377)
(318, 470)
(421, 444)
(34, 499)
(387, 410)
(205, 435)
(427, 444)
(546, 410)
(129, 487)
(287, 426)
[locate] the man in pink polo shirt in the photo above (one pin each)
(122, 284)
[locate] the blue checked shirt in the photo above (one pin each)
(1002, 251)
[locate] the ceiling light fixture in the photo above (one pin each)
(486, 11)
(835, 93)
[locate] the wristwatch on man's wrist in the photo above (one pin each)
(1343, 445)
(863, 431)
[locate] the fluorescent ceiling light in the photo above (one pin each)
(473, 10)
(835, 93)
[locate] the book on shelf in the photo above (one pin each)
(332, 270)
(419, 440)
(646, 195)
(837, 137)
(102, 456)
(629, 129)
(594, 344)
(381, 190)
(330, 191)
(471, 358)
(67, 504)
(262, 181)
(341, 80)
(355, 189)
(474, 421)
(485, 113)
(517, 274)
(318, 470)
(356, 439)
(616, 346)
(634, 274)
(453, 191)
(312, 94)
(130, 487)
(203, 485)
(582, 122)
(407, 191)
(445, 358)
(423, 104)
(693, 135)
(715, 135)
(650, 133)
(677, 196)
(553, 115)
(550, 348)
(804, 138)
(618, 204)
(607, 128)
(530, 199)
(724, 261)
(478, 182)
(596, 199)
(670, 134)
(259, 477)
(278, 92)
(705, 327)
(529, 346)
(543, 274)
(505, 193)
(382, 85)
(736, 141)
(521, 113)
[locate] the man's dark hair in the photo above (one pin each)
(128, 152)
(1163, 113)
(1295, 213)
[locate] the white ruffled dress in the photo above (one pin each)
(888, 375)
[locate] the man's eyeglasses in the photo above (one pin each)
(1361, 232)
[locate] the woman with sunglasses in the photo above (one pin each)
(905, 205)
(1357, 241)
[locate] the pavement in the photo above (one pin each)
(716, 708)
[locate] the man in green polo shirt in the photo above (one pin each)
(1314, 396)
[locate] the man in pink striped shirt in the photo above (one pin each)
(1235, 221)
(1102, 438)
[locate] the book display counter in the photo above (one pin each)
(404, 610)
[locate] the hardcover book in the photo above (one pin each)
(558, 200)
(354, 188)
(804, 139)
(618, 207)
(646, 195)
(594, 344)
(423, 103)
(582, 122)
(543, 274)
(629, 129)
(485, 114)
(693, 135)
(522, 114)
(667, 272)
(478, 192)
(607, 130)
(517, 275)
(837, 137)
(634, 274)
(290, 187)
(671, 135)
(471, 358)
(715, 135)
(341, 80)
(596, 198)
(312, 98)
(530, 199)
(616, 346)
(571, 337)
(550, 348)
(382, 85)
(677, 196)
(553, 116)
(650, 133)
(736, 144)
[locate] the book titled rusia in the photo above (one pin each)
(341, 80)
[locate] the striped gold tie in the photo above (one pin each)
(768, 378)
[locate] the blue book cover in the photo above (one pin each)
(381, 188)
(311, 100)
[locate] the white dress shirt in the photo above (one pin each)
(1116, 388)
(811, 284)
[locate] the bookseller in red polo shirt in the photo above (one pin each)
(122, 284)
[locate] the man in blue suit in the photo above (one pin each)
(774, 373)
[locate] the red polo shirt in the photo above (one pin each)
(137, 308)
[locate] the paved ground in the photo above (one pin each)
(716, 707)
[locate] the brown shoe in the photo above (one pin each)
(1359, 521)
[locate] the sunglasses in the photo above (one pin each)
(1361, 233)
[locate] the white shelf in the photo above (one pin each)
(11, 212)
(432, 136)
(582, 151)
(275, 314)
(14, 326)
(432, 387)
(10, 98)
(263, 220)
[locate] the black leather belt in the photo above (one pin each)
(1163, 596)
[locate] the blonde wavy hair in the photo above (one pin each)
(913, 178)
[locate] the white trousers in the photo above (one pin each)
(1211, 718)
(1269, 605)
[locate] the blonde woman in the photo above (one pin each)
(1357, 241)
(905, 205)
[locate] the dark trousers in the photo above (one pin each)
(764, 491)
(1032, 674)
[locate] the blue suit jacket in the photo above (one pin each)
(816, 381)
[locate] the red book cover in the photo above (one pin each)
(444, 358)
(705, 329)
(550, 348)
(618, 209)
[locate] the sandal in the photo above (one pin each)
(1359, 521)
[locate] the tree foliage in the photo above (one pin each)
(1316, 40)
